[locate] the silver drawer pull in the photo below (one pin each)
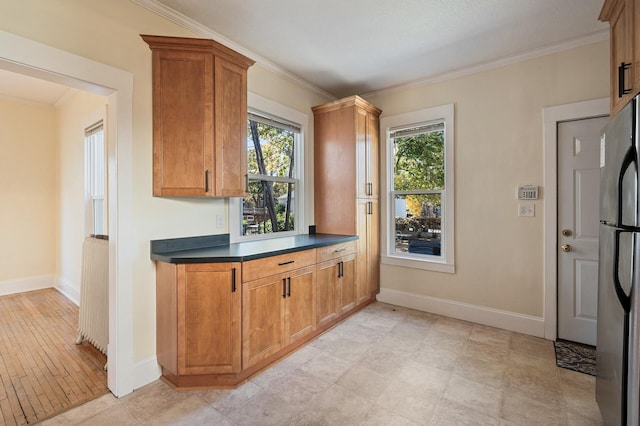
(340, 250)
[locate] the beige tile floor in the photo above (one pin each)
(385, 365)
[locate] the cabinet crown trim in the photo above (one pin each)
(607, 10)
(345, 103)
(202, 45)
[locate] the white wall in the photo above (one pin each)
(498, 146)
(28, 194)
(76, 114)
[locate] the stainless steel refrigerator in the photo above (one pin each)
(617, 377)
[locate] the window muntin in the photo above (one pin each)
(270, 204)
(95, 180)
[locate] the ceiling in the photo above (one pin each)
(347, 47)
(19, 87)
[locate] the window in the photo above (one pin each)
(95, 180)
(272, 206)
(419, 213)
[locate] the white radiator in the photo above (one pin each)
(93, 324)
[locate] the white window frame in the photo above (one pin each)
(258, 105)
(89, 179)
(444, 262)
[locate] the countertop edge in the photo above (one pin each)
(250, 250)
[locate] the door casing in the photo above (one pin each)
(551, 117)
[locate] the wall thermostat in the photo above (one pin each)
(528, 192)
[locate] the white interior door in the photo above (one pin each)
(578, 228)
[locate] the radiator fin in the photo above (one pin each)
(93, 324)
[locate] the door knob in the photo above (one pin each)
(566, 248)
(566, 232)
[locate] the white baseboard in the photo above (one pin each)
(26, 284)
(67, 288)
(511, 321)
(146, 372)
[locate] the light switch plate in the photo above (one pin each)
(220, 221)
(526, 210)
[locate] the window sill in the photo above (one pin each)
(427, 265)
(262, 237)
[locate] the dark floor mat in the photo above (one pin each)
(576, 357)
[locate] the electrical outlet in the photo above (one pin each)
(220, 221)
(526, 210)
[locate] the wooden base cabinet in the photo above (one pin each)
(218, 324)
(198, 318)
(368, 267)
(277, 311)
(336, 294)
(279, 295)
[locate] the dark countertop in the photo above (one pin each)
(216, 248)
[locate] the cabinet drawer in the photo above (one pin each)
(336, 250)
(260, 268)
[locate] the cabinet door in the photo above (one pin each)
(263, 331)
(182, 123)
(347, 284)
(373, 248)
(621, 52)
(362, 178)
(367, 155)
(300, 307)
(367, 269)
(373, 155)
(209, 318)
(326, 296)
(230, 129)
(635, 29)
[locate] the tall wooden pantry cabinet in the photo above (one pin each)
(347, 182)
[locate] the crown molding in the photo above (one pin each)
(197, 28)
(499, 63)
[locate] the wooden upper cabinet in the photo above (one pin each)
(635, 40)
(346, 161)
(624, 20)
(367, 146)
(199, 118)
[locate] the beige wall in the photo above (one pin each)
(108, 32)
(76, 114)
(28, 190)
(498, 146)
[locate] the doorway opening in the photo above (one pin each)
(34, 59)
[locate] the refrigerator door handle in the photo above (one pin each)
(625, 300)
(629, 159)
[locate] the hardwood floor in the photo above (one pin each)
(42, 371)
